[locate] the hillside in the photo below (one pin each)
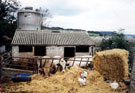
(91, 33)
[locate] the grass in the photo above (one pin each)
(93, 34)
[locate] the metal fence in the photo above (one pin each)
(35, 63)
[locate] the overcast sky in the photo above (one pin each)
(97, 15)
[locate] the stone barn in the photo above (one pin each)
(30, 41)
(33, 43)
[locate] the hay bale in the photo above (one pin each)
(112, 64)
(61, 83)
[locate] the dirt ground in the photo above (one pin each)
(63, 83)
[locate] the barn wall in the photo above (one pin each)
(92, 50)
(15, 51)
(82, 54)
(27, 54)
(50, 51)
(55, 51)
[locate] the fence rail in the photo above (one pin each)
(34, 63)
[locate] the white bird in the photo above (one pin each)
(114, 85)
(82, 78)
(82, 81)
(84, 74)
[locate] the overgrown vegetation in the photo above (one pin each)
(101, 33)
(119, 41)
(7, 21)
(46, 15)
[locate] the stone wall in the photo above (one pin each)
(54, 51)
(15, 51)
(50, 51)
(27, 54)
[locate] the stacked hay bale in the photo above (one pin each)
(112, 64)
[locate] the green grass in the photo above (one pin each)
(93, 34)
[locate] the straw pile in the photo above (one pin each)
(62, 83)
(112, 64)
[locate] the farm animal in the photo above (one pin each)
(49, 66)
(63, 64)
(82, 78)
(82, 61)
(84, 74)
(114, 85)
(60, 62)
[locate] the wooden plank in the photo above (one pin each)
(12, 69)
(73, 61)
(41, 63)
(80, 62)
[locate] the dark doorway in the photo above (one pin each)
(40, 51)
(23, 48)
(69, 52)
(82, 49)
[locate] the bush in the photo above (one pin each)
(118, 41)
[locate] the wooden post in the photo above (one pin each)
(80, 62)
(92, 49)
(73, 61)
(41, 62)
(52, 62)
(87, 62)
(38, 65)
(132, 79)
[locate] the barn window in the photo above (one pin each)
(82, 48)
(69, 52)
(40, 51)
(23, 48)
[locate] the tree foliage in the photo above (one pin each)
(8, 22)
(118, 41)
(46, 16)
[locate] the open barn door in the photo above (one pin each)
(69, 52)
(40, 51)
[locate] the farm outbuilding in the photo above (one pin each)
(51, 43)
(29, 19)
(29, 40)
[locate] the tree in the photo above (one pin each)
(7, 20)
(46, 16)
(119, 41)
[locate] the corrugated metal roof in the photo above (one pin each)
(48, 38)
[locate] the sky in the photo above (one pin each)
(92, 15)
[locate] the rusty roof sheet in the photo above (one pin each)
(49, 38)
